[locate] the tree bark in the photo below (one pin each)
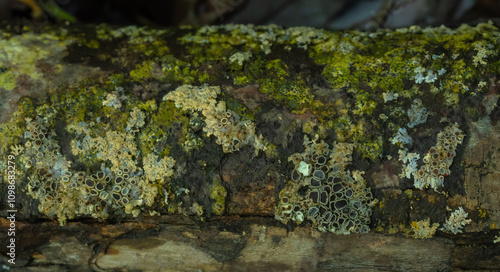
(148, 106)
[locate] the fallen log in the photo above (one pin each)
(244, 147)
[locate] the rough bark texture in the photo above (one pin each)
(144, 109)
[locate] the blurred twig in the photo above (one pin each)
(36, 11)
(53, 9)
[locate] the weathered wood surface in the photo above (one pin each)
(214, 209)
(241, 245)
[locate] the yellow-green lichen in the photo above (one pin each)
(142, 71)
(7, 81)
(218, 195)
(360, 60)
(422, 229)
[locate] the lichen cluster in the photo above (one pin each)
(422, 229)
(119, 186)
(218, 195)
(322, 190)
(50, 181)
(342, 81)
(456, 221)
(230, 132)
(417, 113)
(438, 160)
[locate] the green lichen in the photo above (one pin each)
(168, 113)
(218, 195)
(7, 80)
(274, 79)
(142, 71)
(384, 60)
(175, 70)
(150, 137)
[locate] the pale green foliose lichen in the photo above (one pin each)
(438, 160)
(336, 200)
(456, 221)
(119, 184)
(230, 132)
(422, 229)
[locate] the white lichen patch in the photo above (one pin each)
(240, 57)
(438, 160)
(136, 120)
(422, 229)
(421, 75)
(303, 35)
(112, 100)
(304, 168)
(194, 98)
(389, 96)
(402, 138)
(156, 169)
(409, 162)
(456, 221)
(417, 113)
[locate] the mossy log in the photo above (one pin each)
(249, 148)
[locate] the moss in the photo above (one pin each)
(274, 79)
(25, 107)
(148, 106)
(156, 47)
(115, 79)
(238, 107)
(156, 132)
(362, 61)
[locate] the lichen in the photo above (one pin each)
(456, 221)
(439, 159)
(402, 138)
(386, 74)
(417, 114)
(409, 160)
(336, 200)
(218, 195)
(240, 57)
(422, 229)
(230, 132)
(7, 80)
(119, 184)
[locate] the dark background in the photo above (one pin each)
(332, 14)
